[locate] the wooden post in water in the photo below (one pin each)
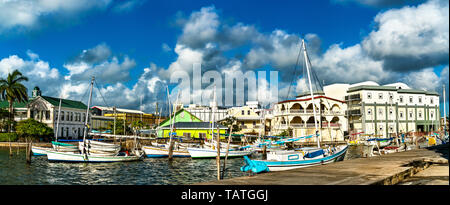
(28, 151)
(264, 152)
(170, 148)
(218, 154)
(226, 155)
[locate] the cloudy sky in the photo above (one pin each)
(133, 47)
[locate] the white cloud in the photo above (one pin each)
(30, 13)
(411, 37)
(425, 79)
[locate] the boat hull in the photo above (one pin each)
(198, 153)
(160, 152)
(40, 151)
(266, 165)
(54, 156)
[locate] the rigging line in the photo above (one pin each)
(295, 72)
(99, 91)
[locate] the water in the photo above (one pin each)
(151, 171)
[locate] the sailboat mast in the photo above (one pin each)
(445, 113)
(310, 88)
(57, 122)
(87, 110)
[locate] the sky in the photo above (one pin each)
(134, 47)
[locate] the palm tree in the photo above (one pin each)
(11, 89)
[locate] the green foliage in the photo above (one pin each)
(286, 133)
(5, 137)
(11, 89)
(231, 121)
(34, 129)
(119, 127)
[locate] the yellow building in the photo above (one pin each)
(248, 118)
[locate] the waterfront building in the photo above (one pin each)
(193, 130)
(104, 115)
(181, 115)
(297, 116)
(391, 109)
(205, 113)
(248, 117)
(45, 109)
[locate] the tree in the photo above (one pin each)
(231, 121)
(137, 125)
(34, 129)
(12, 89)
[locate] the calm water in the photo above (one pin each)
(15, 171)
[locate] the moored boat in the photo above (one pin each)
(286, 160)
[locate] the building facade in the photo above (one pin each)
(391, 109)
(248, 118)
(205, 113)
(72, 118)
(298, 115)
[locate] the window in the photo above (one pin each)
(431, 114)
(248, 112)
(369, 95)
(391, 96)
(381, 128)
(420, 99)
(243, 112)
(62, 115)
(380, 96)
(391, 111)
(391, 128)
(401, 99)
(401, 114)
(202, 135)
(431, 100)
(420, 113)
(410, 99)
(380, 111)
(188, 135)
(254, 123)
(369, 111)
(47, 115)
(410, 114)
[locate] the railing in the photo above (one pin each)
(307, 112)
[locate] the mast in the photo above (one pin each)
(170, 113)
(212, 113)
(310, 89)
(57, 122)
(87, 110)
(445, 113)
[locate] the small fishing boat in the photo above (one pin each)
(56, 146)
(40, 151)
(211, 152)
(285, 160)
(163, 151)
(55, 156)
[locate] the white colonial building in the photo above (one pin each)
(298, 114)
(72, 119)
(391, 109)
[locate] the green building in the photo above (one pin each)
(193, 130)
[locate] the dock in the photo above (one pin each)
(389, 169)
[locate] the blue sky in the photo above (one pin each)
(132, 42)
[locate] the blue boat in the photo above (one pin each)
(285, 160)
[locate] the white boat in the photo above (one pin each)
(162, 151)
(40, 151)
(212, 152)
(285, 160)
(55, 156)
(56, 146)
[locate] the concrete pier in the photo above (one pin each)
(387, 169)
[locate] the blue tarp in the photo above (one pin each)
(314, 154)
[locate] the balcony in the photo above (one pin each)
(355, 97)
(353, 112)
